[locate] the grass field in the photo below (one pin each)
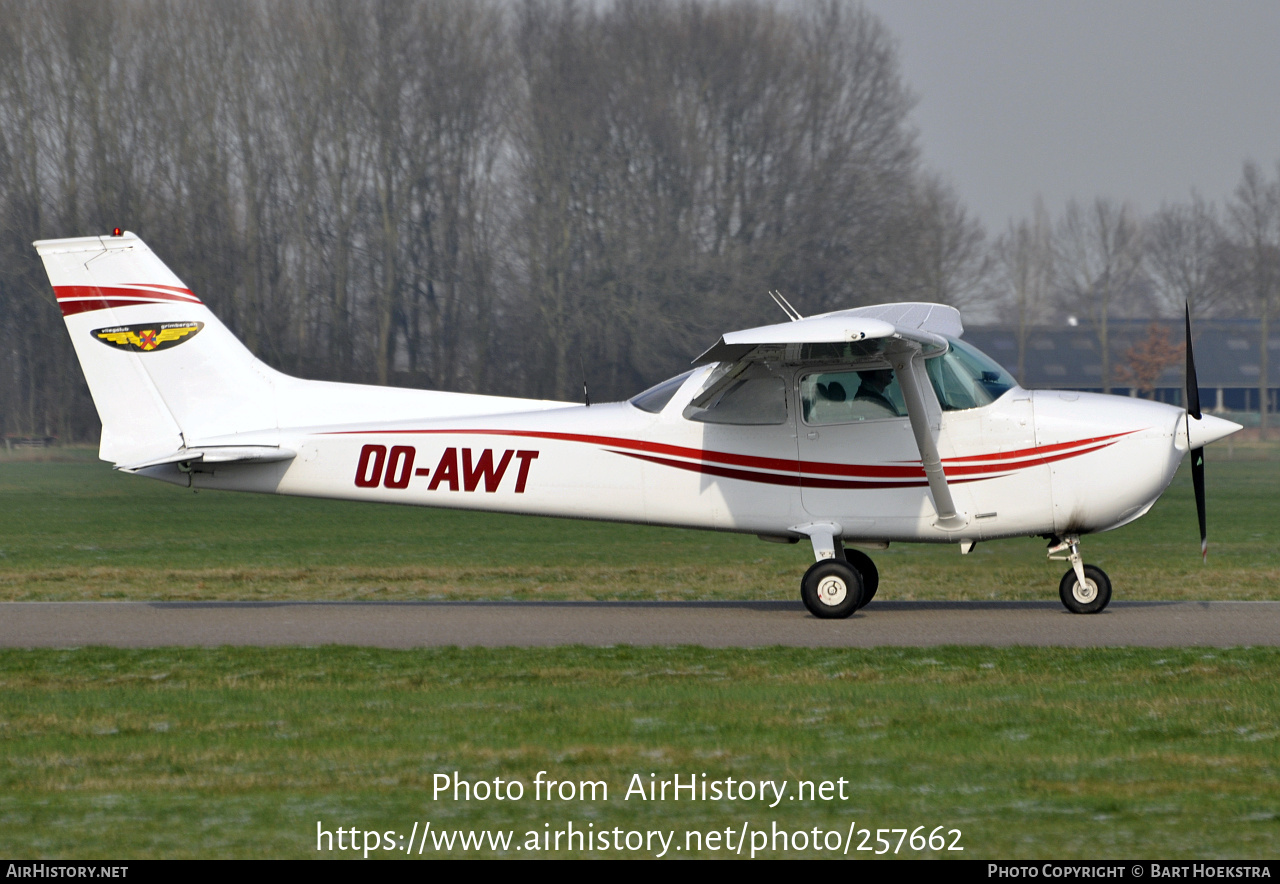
(1030, 753)
(76, 530)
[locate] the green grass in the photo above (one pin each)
(1051, 753)
(77, 530)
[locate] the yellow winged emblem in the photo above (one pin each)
(146, 338)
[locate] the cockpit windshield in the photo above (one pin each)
(966, 377)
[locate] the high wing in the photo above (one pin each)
(902, 335)
(873, 329)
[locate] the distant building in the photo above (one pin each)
(1067, 357)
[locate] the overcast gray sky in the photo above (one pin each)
(1140, 100)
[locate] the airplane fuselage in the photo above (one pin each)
(1030, 463)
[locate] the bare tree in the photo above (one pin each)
(689, 157)
(946, 260)
(1025, 256)
(1184, 249)
(1098, 254)
(1254, 223)
(378, 191)
(455, 136)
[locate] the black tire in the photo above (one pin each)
(831, 589)
(1089, 600)
(866, 569)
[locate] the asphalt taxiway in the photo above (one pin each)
(711, 624)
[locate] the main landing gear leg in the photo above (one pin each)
(861, 563)
(1085, 589)
(831, 588)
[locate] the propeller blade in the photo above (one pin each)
(1197, 482)
(1193, 382)
(1197, 454)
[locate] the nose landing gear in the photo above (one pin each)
(1085, 589)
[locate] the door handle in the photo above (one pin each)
(813, 434)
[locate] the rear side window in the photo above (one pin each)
(744, 401)
(654, 399)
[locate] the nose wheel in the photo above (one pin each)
(1088, 597)
(1085, 589)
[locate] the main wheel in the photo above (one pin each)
(1090, 598)
(866, 570)
(831, 589)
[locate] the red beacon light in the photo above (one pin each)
(115, 232)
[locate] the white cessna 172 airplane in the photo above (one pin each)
(854, 428)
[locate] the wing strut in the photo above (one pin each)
(903, 366)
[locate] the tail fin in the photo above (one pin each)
(163, 371)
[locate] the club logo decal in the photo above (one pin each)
(146, 338)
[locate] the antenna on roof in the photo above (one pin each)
(792, 313)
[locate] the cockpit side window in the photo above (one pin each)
(967, 378)
(841, 397)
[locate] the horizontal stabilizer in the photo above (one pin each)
(224, 454)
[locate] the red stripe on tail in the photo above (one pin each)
(74, 299)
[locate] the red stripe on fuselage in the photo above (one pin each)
(1034, 452)
(745, 460)
(791, 478)
(787, 470)
(820, 482)
(783, 478)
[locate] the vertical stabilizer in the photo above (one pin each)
(163, 371)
